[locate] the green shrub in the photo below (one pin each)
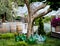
(48, 34)
(7, 35)
(0, 35)
(21, 43)
(41, 27)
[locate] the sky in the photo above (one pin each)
(53, 13)
(23, 10)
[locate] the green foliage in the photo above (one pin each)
(49, 42)
(41, 27)
(0, 17)
(20, 37)
(21, 43)
(19, 2)
(35, 1)
(37, 21)
(18, 17)
(32, 40)
(5, 6)
(17, 38)
(7, 35)
(10, 44)
(46, 19)
(55, 4)
(48, 34)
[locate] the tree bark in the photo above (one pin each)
(29, 19)
(40, 15)
(38, 8)
(57, 29)
(3, 17)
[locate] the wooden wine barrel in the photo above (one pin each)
(0, 30)
(8, 27)
(57, 29)
(12, 27)
(4, 29)
(19, 27)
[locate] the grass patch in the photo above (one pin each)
(48, 42)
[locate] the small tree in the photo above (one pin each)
(5, 9)
(41, 27)
(3, 16)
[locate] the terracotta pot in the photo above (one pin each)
(57, 28)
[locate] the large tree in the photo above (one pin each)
(32, 14)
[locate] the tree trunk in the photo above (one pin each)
(3, 18)
(29, 30)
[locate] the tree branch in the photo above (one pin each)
(38, 8)
(29, 10)
(27, 5)
(26, 2)
(41, 15)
